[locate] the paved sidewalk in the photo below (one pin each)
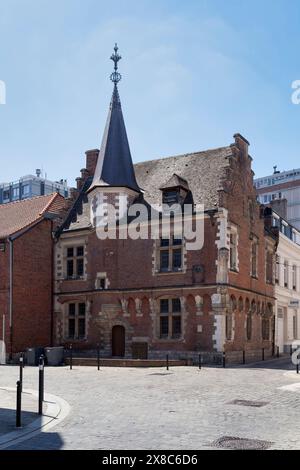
(8, 410)
(183, 408)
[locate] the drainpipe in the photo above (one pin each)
(11, 275)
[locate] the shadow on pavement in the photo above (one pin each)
(43, 441)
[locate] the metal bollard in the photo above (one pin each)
(71, 357)
(19, 405)
(41, 384)
(291, 349)
(277, 351)
(98, 356)
(244, 356)
(263, 354)
(224, 360)
(200, 361)
(297, 367)
(167, 359)
(21, 371)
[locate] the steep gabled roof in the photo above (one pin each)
(114, 165)
(19, 215)
(203, 171)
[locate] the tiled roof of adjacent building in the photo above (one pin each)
(19, 215)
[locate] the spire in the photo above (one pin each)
(114, 165)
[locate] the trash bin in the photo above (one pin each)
(55, 356)
(33, 355)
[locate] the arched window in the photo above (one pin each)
(265, 328)
(228, 326)
(249, 327)
(241, 304)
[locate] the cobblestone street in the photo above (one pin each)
(183, 408)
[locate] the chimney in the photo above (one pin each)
(280, 207)
(84, 174)
(241, 143)
(79, 182)
(91, 161)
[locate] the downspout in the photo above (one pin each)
(52, 286)
(11, 275)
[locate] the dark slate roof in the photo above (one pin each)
(114, 166)
(203, 171)
(174, 182)
(79, 215)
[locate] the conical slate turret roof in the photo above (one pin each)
(114, 165)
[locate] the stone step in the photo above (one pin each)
(119, 362)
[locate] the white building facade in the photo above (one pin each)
(287, 285)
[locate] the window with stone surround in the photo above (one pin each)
(277, 270)
(269, 267)
(249, 326)
(233, 249)
(265, 328)
(75, 262)
(254, 257)
(294, 277)
(170, 319)
(76, 322)
(170, 254)
(286, 273)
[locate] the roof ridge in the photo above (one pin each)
(184, 154)
(27, 199)
(54, 196)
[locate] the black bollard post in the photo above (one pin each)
(297, 367)
(19, 405)
(41, 384)
(71, 357)
(98, 356)
(224, 360)
(277, 351)
(244, 357)
(291, 349)
(200, 361)
(21, 371)
(167, 359)
(263, 354)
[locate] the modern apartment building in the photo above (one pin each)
(282, 185)
(30, 186)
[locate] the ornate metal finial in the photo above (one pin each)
(116, 76)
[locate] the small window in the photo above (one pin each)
(170, 197)
(249, 327)
(164, 260)
(77, 321)
(170, 318)
(164, 327)
(164, 306)
(176, 326)
(170, 255)
(233, 251)
(176, 305)
(75, 262)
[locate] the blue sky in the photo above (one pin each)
(194, 73)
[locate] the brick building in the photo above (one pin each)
(26, 253)
(147, 296)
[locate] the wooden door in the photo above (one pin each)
(118, 341)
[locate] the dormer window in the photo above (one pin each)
(175, 190)
(170, 196)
